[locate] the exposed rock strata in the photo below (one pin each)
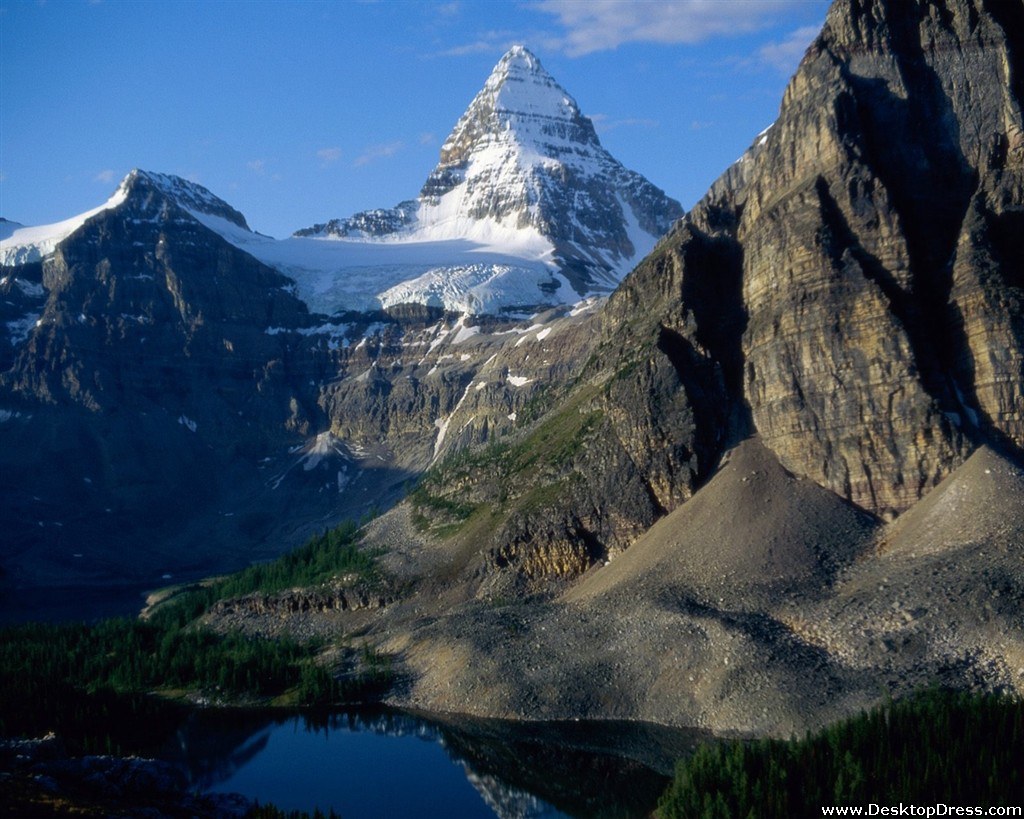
(872, 270)
(302, 601)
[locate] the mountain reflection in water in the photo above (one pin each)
(379, 762)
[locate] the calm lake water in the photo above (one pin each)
(387, 764)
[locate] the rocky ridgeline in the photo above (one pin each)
(849, 280)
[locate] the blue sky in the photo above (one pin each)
(298, 112)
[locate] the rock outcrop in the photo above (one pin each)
(884, 337)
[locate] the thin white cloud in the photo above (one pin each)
(785, 56)
(477, 47)
(602, 25)
(105, 176)
(257, 166)
(375, 152)
(603, 123)
(493, 41)
(427, 138)
(328, 156)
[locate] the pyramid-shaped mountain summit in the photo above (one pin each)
(523, 172)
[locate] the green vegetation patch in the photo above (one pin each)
(939, 746)
(492, 481)
(76, 679)
(332, 554)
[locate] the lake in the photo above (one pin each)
(381, 763)
(385, 763)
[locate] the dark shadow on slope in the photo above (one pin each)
(1010, 18)
(913, 146)
(710, 364)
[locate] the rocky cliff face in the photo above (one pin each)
(860, 255)
(144, 390)
(200, 415)
(884, 316)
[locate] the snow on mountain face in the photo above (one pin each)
(191, 196)
(7, 227)
(457, 275)
(331, 276)
(524, 210)
(22, 245)
(524, 168)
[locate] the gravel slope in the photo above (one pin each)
(764, 605)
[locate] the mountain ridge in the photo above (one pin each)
(525, 210)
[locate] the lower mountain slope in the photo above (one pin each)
(756, 636)
(753, 535)
(763, 605)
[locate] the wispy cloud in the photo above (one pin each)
(785, 56)
(328, 156)
(449, 9)
(603, 25)
(476, 47)
(375, 152)
(603, 123)
(259, 168)
(427, 138)
(493, 41)
(105, 176)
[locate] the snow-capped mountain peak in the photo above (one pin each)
(520, 102)
(523, 168)
(524, 209)
(140, 190)
(191, 196)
